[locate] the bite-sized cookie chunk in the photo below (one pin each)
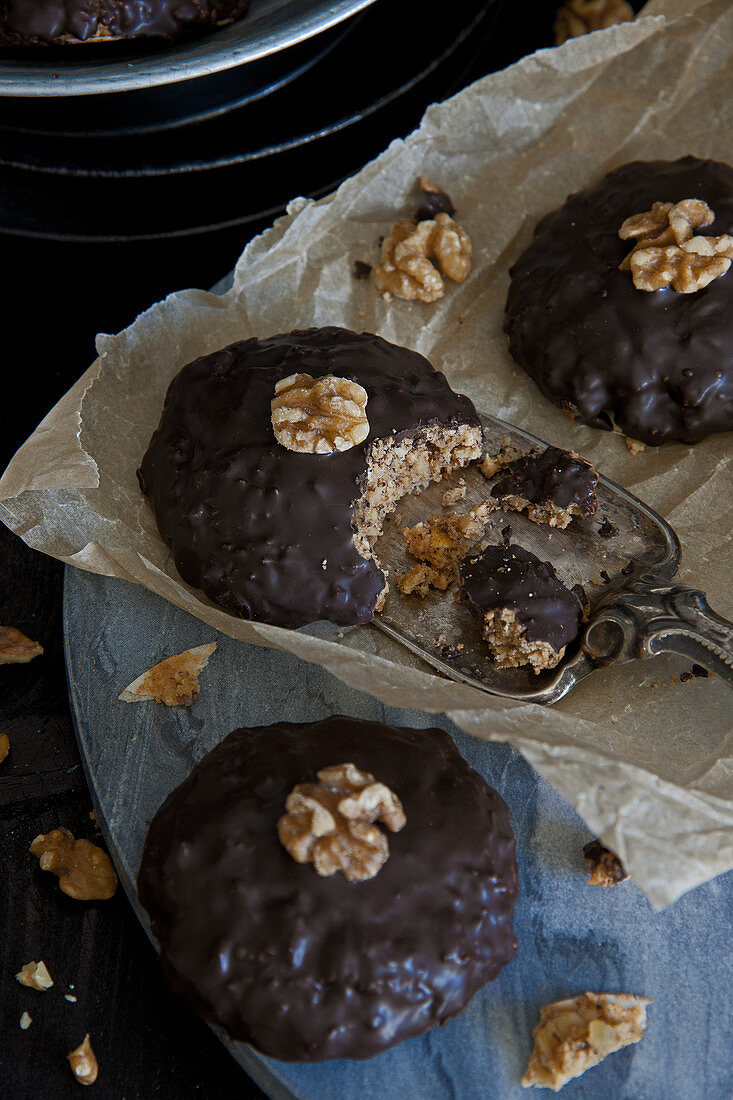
(276, 462)
(574, 1035)
(327, 890)
(527, 614)
(584, 318)
(64, 22)
(552, 486)
(439, 543)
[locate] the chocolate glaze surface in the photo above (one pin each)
(550, 475)
(308, 968)
(512, 577)
(659, 365)
(264, 531)
(38, 22)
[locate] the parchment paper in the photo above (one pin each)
(645, 759)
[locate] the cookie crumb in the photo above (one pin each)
(606, 869)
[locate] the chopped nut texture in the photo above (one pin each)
(511, 648)
(173, 681)
(330, 823)
(666, 253)
(84, 871)
(576, 1034)
(406, 268)
(15, 648)
(4, 746)
(606, 869)
(442, 540)
(319, 415)
(35, 975)
(578, 17)
(83, 1063)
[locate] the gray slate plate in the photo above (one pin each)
(572, 937)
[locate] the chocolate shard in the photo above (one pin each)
(433, 200)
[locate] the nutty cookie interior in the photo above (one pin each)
(281, 535)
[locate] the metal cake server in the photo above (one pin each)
(635, 611)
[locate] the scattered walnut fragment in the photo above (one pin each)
(330, 823)
(4, 746)
(574, 1035)
(420, 578)
(416, 256)
(35, 975)
(25, 1021)
(666, 253)
(173, 681)
(433, 200)
(83, 1062)
(15, 648)
(84, 871)
(577, 17)
(634, 446)
(606, 869)
(319, 415)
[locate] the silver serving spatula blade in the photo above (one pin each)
(635, 611)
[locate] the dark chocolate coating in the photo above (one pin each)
(252, 523)
(551, 475)
(307, 968)
(657, 364)
(44, 22)
(512, 577)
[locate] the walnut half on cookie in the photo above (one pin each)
(331, 823)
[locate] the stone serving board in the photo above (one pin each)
(572, 937)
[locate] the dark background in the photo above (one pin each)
(57, 295)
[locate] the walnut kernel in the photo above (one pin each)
(667, 254)
(84, 871)
(319, 415)
(15, 648)
(330, 823)
(606, 869)
(577, 17)
(83, 1062)
(406, 268)
(35, 975)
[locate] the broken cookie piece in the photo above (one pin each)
(452, 496)
(439, 543)
(574, 1035)
(606, 869)
(15, 648)
(421, 578)
(552, 486)
(173, 681)
(527, 614)
(491, 464)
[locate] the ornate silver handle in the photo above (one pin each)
(652, 617)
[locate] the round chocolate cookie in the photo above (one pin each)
(306, 967)
(659, 364)
(63, 22)
(267, 532)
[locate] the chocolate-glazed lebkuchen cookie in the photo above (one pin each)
(303, 963)
(286, 537)
(657, 363)
(67, 22)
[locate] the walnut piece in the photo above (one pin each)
(330, 823)
(667, 254)
(84, 871)
(577, 17)
(406, 268)
(15, 648)
(173, 681)
(319, 415)
(576, 1034)
(25, 1021)
(4, 746)
(35, 975)
(606, 869)
(83, 1062)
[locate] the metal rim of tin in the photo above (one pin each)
(270, 26)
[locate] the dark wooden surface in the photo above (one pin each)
(147, 1043)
